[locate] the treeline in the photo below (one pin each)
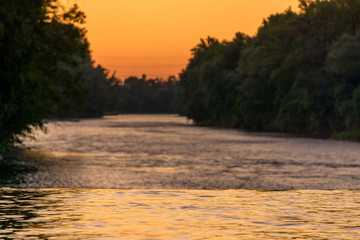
(300, 73)
(100, 93)
(142, 95)
(103, 94)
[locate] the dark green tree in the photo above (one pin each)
(38, 45)
(298, 74)
(208, 93)
(343, 64)
(142, 95)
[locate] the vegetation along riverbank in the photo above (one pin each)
(299, 73)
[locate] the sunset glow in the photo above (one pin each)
(154, 37)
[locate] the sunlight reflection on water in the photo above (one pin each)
(178, 214)
(167, 152)
(68, 185)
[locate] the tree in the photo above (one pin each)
(342, 66)
(38, 44)
(299, 74)
(208, 93)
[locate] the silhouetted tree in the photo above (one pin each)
(141, 95)
(299, 73)
(38, 45)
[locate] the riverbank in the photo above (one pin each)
(353, 136)
(347, 136)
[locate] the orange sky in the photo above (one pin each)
(154, 37)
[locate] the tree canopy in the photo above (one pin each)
(39, 44)
(299, 73)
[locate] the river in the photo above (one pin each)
(161, 177)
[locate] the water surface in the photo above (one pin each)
(178, 214)
(160, 177)
(167, 152)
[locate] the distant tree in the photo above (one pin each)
(142, 95)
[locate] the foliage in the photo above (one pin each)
(38, 45)
(93, 92)
(207, 90)
(349, 136)
(299, 73)
(141, 95)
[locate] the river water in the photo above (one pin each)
(160, 177)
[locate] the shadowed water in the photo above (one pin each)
(167, 152)
(142, 177)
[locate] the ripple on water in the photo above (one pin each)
(147, 153)
(167, 152)
(181, 214)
